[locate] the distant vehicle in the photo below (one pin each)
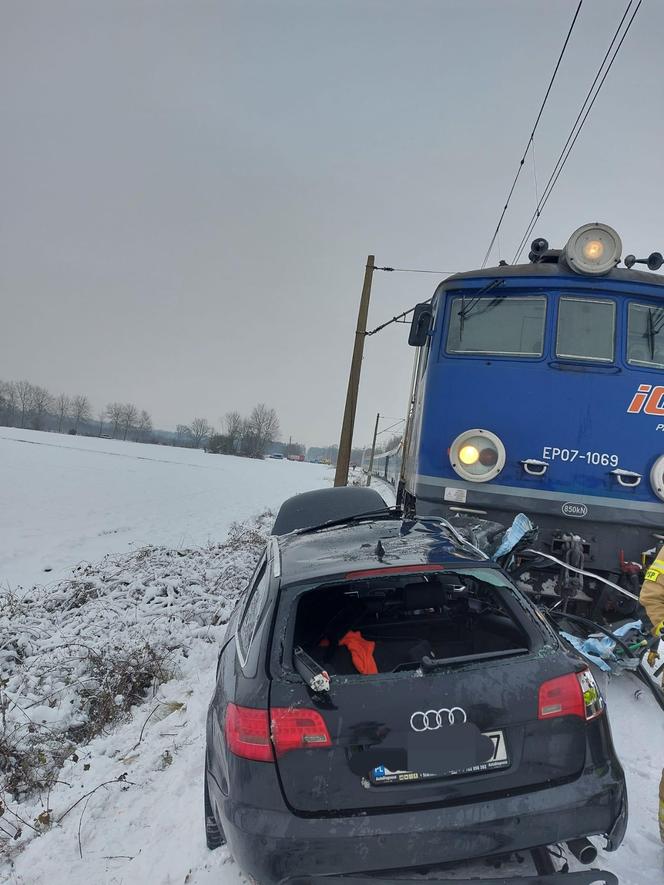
(296, 457)
(387, 699)
(277, 457)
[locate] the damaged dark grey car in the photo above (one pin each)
(388, 700)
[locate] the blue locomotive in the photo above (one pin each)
(539, 388)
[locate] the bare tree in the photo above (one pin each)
(264, 429)
(246, 438)
(7, 402)
(24, 392)
(41, 403)
(128, 419)
(101, 417)
(233, 422)
(183, 435)
(115, 413)
(200, 429)
(144, 425)
(80, 410)
(62, 406)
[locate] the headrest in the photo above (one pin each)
(417, 596)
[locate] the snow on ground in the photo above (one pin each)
(145, 826)
(66, 499)
(127, 805)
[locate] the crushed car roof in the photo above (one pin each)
(355, 547)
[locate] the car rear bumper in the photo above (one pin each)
(277, 846)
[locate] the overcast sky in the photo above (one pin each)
(189, 190)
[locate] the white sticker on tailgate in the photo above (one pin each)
(383, 776)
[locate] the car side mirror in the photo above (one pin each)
(420, 325)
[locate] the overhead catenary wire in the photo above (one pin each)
(415, 270)
(397, 319)
(575, 132)
(401, 317)
(532, 135)
(391, 427)
(579, 123)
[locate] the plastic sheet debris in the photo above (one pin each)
(520, 527)
(601, 650)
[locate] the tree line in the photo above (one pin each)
(27, 405)
(249, 436)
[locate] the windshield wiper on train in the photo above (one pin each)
(655, 325)
(471, 307)
(651, 333)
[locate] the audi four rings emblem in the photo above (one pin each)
(430, 720)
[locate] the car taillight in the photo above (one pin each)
(295, 729)
(575, 694)
(248, 732)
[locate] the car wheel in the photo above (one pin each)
(214, 835)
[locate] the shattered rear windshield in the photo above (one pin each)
(393, 624)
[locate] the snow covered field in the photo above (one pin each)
(127, 807)
(67, 499)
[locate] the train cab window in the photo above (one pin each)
(645, 335)
(502, 325)
(586, 329)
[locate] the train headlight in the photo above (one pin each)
(657, 477)
(477, 455)
(469, 454)
(593, 249)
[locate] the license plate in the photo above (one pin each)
(382, 776)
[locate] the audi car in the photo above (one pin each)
(387, 699)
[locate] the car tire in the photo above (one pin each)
(214, 835)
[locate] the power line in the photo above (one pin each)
(391, 427)
(572, 137)
(574, 131)
(397, 319)
(532, 134)
(411, 270)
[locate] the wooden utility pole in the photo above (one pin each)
(346, 440)
(373, 450)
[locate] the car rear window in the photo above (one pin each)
(389, 626)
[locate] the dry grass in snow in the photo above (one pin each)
(77, 658)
